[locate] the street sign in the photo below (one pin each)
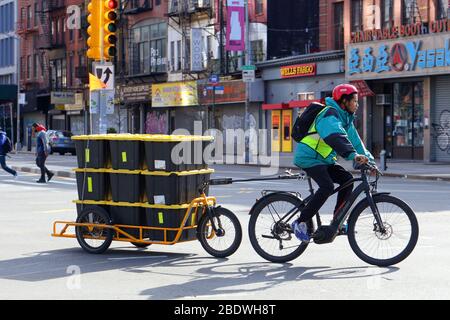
(22, 98)
(105, 72)
(248, 67)
(248, 75)
(217, 89)
(214, 78)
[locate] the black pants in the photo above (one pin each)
(40, 162)
(325, 176)
(5, 167)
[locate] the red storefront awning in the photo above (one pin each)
(363, 88)
(290, 105)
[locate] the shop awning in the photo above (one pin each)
(363, 88)
(289, 105)
(8, 93)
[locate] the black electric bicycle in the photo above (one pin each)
(382, 230)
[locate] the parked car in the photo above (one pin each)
(61, 142)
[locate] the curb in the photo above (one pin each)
(385, 174)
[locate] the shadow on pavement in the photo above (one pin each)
(54, 264)
(247, 278)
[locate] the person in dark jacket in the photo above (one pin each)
(42, 150)
(5, 148)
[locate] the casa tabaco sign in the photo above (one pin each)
(402, 31)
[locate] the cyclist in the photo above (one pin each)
(331, 133)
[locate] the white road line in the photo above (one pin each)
(63, 182)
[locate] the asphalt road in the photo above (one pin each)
(33, 265)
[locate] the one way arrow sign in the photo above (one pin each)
(106, 74)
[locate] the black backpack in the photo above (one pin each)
(6, 145)
(305, 120)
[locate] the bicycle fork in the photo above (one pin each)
(375, 211)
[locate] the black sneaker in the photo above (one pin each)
(50, 176)
(40, 181)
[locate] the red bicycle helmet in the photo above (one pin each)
(342, 89)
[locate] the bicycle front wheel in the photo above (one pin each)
(390, 244)
(228, 238)
(271, 237)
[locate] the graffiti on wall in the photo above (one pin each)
(442, 131)
(156, 123)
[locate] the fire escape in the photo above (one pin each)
(183, 13)
(48, 39)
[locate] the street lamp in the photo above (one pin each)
(17, 37)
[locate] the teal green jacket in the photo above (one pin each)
(335, 126)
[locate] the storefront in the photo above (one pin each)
(175, 105)
(134, 102)
(225, 103)
(291, 84)
(408, 116)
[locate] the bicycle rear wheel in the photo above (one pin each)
(272, 238)
(371, 244)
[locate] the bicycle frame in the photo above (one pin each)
(342, 213)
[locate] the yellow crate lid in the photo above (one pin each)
(90, 170)
(174, 138)
(143, 137)
(123, 171)
(178, 173)
(129, 204)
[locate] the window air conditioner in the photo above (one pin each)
(383, 99)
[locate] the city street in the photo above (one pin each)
(33, 265)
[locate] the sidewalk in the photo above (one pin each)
(395, 168)
(63, 165)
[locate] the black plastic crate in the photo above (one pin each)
(133, 216)
(92, 185)
(158, 153)
(176, 187)
(92, 153)
(127, 154)
(169, 218)
(126, 186)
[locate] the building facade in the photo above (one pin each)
(8, 66)
(404, 57)
(53, 65)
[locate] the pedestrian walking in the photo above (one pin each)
(42, 150)
(5, 148)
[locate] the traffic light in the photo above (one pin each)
(94, 30)
(110, 28)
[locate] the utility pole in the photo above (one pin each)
(247, 85)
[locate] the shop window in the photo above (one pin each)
(387, 13)
(357, 14)
(339, 25)
(148, 49)
(442, 9)
(410, 12)
(305, 96)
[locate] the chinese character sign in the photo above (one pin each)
(416, 57)
(354, 62)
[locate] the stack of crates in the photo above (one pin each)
(135, 179)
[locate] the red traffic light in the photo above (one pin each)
(112, 4)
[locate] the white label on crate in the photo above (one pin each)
(160, 164)
(159, 199)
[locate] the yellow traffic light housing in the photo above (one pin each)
(94, 30)
(109, 23)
